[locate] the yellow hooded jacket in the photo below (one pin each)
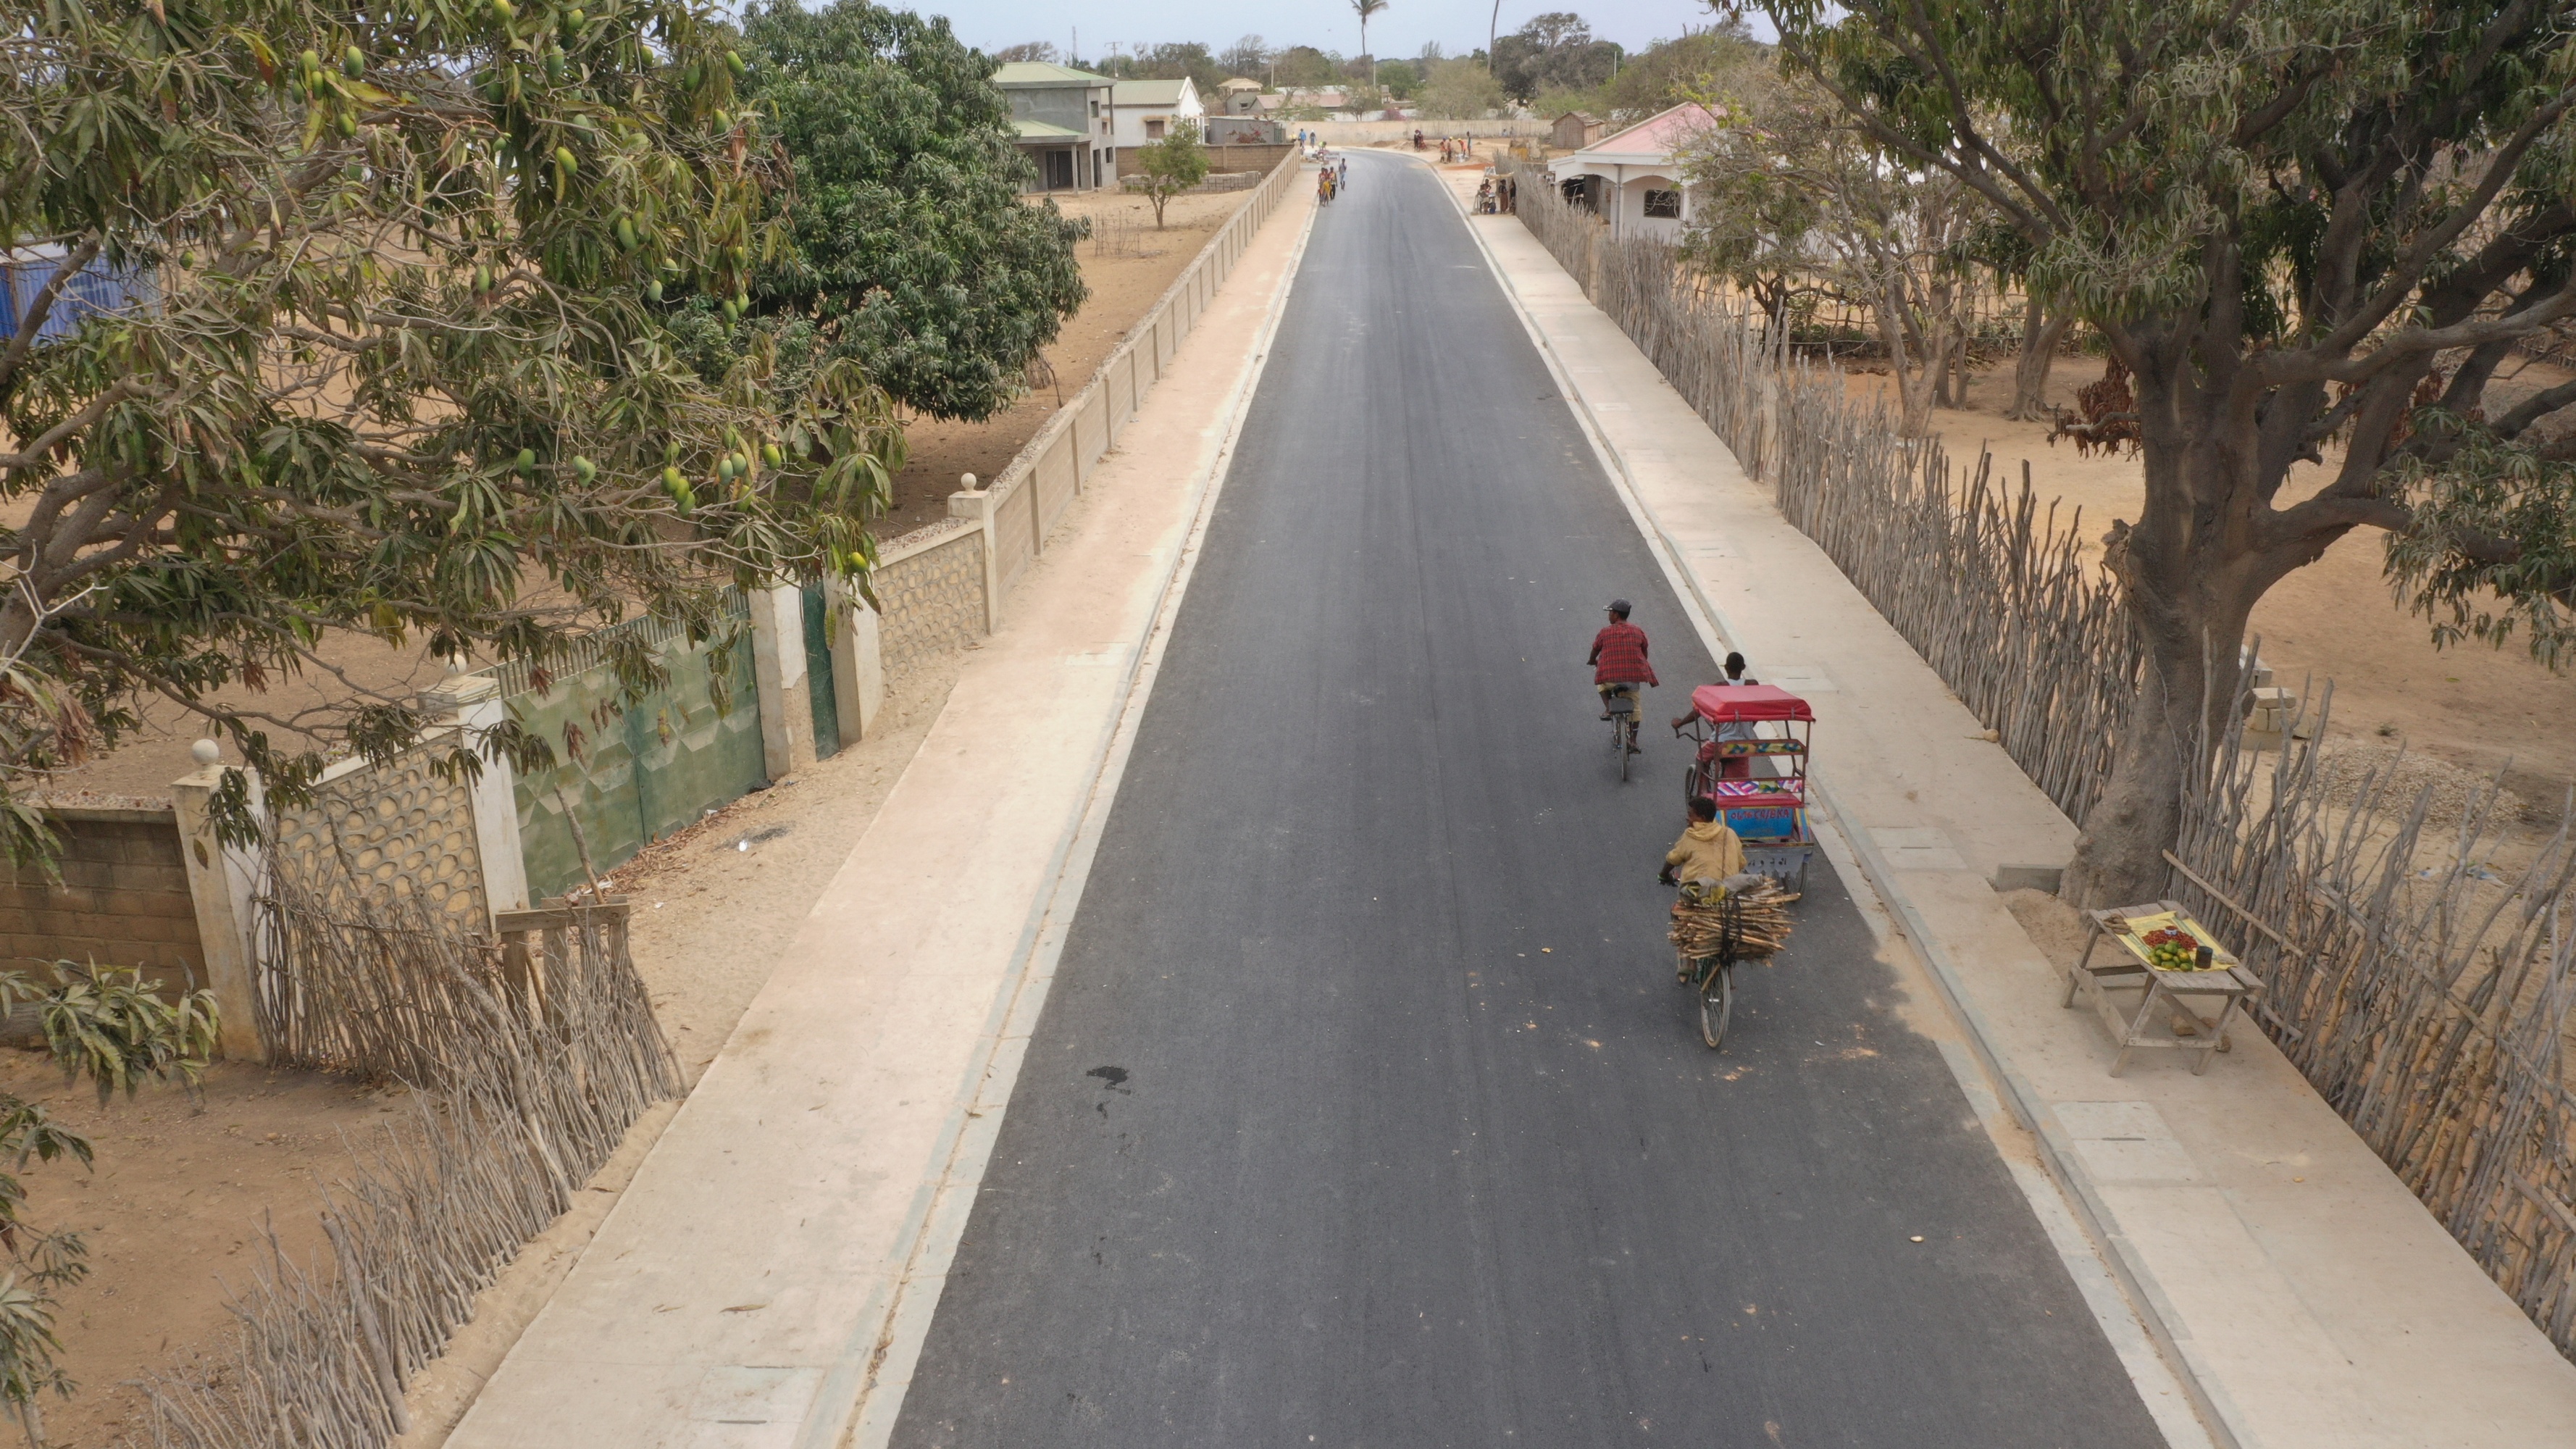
(1706, 851)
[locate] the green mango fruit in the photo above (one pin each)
(311, 62)
(504, 12)
(733, 62)
(626, 238)
(527, 462)
(353, 62)
(565, 159)
(653, 291)
(584, 469)
(772, 455)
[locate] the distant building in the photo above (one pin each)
(1239, 97)
(1145, 111)
(1633, 178)
(1065, 121)
(1574, 130)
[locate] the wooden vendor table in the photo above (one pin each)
(2162, 993)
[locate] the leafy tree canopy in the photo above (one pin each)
(911, 251)
(1553, 50)
(389, 361)
(1248, 57)
(1166, 168)
(2307, 227)
(1304, 65)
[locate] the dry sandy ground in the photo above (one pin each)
(176, 1209)
(1128, 266)
(2477, 707)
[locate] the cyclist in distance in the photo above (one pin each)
(1618, 658)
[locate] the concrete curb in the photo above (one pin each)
(2056, 1150)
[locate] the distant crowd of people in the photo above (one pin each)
(1498, 194)
(1453, 149)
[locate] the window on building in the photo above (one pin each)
(1095, 109)
(1664, 203)
(1153, 128)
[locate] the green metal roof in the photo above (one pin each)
(1044, 73)
(1045, 131)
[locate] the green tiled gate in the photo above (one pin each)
(643, 772)
(819, 685)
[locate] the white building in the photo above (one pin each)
(1147, 110)
(1634, 177)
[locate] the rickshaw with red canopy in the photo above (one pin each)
(1753, 752)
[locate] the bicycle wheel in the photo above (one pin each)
(1716, 1002)
(1623, 738)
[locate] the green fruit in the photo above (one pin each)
(348, 125)
(724, 470)
(674, 482)
(574, 20)
(770, 454)
(626, 239)
(689, 77)
(732, 312)
(527, 461)
(555, 68)
(584, 469)
(733, 62)
(671, 451)
(504, 12)
(741, 254)
(353, 62)
(742, 301)
(482, 279)
(311, 61)
(653, 291)
(565, 159)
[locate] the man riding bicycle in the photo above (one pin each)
(1618, 659)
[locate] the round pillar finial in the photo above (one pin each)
(206, 752)
(966, 481)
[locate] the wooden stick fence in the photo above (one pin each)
(531, 1055)
(2425, 999)
(2424, 996)
(1986, 583)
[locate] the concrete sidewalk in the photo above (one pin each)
(764, 1281)
(2303, 1294)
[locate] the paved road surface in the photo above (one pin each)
(1365, 1111)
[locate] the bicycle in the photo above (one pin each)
(1622, 705)
(1710, 972)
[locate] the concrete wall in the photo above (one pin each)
(122, 899)
(1363, 133)
(933, 596)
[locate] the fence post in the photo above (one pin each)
(220, 881)
(858, 663)
(472, 702)
(778, 663)
(976, 503)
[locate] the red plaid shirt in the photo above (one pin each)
(1619, 656)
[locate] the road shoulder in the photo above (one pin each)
(2303, 1294)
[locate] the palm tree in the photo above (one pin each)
(1367, 8)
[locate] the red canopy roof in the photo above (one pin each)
(1748, 702)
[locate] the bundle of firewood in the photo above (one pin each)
(1761, 912)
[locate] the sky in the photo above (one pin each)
(1398, 30)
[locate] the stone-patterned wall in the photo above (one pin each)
(121, 899)
(405, 833)
(933, 601)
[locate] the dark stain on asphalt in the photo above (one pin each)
(1114, 1078)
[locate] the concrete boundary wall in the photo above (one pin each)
(1012, 515)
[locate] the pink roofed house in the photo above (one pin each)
(1633, 178)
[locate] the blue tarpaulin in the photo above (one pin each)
(98, 288)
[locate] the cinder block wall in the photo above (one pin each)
(121, 900)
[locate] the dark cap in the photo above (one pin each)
(1617, 606)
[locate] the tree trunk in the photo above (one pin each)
(2039, 342)
(2191, 572)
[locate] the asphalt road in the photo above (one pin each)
(1364, 1111)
